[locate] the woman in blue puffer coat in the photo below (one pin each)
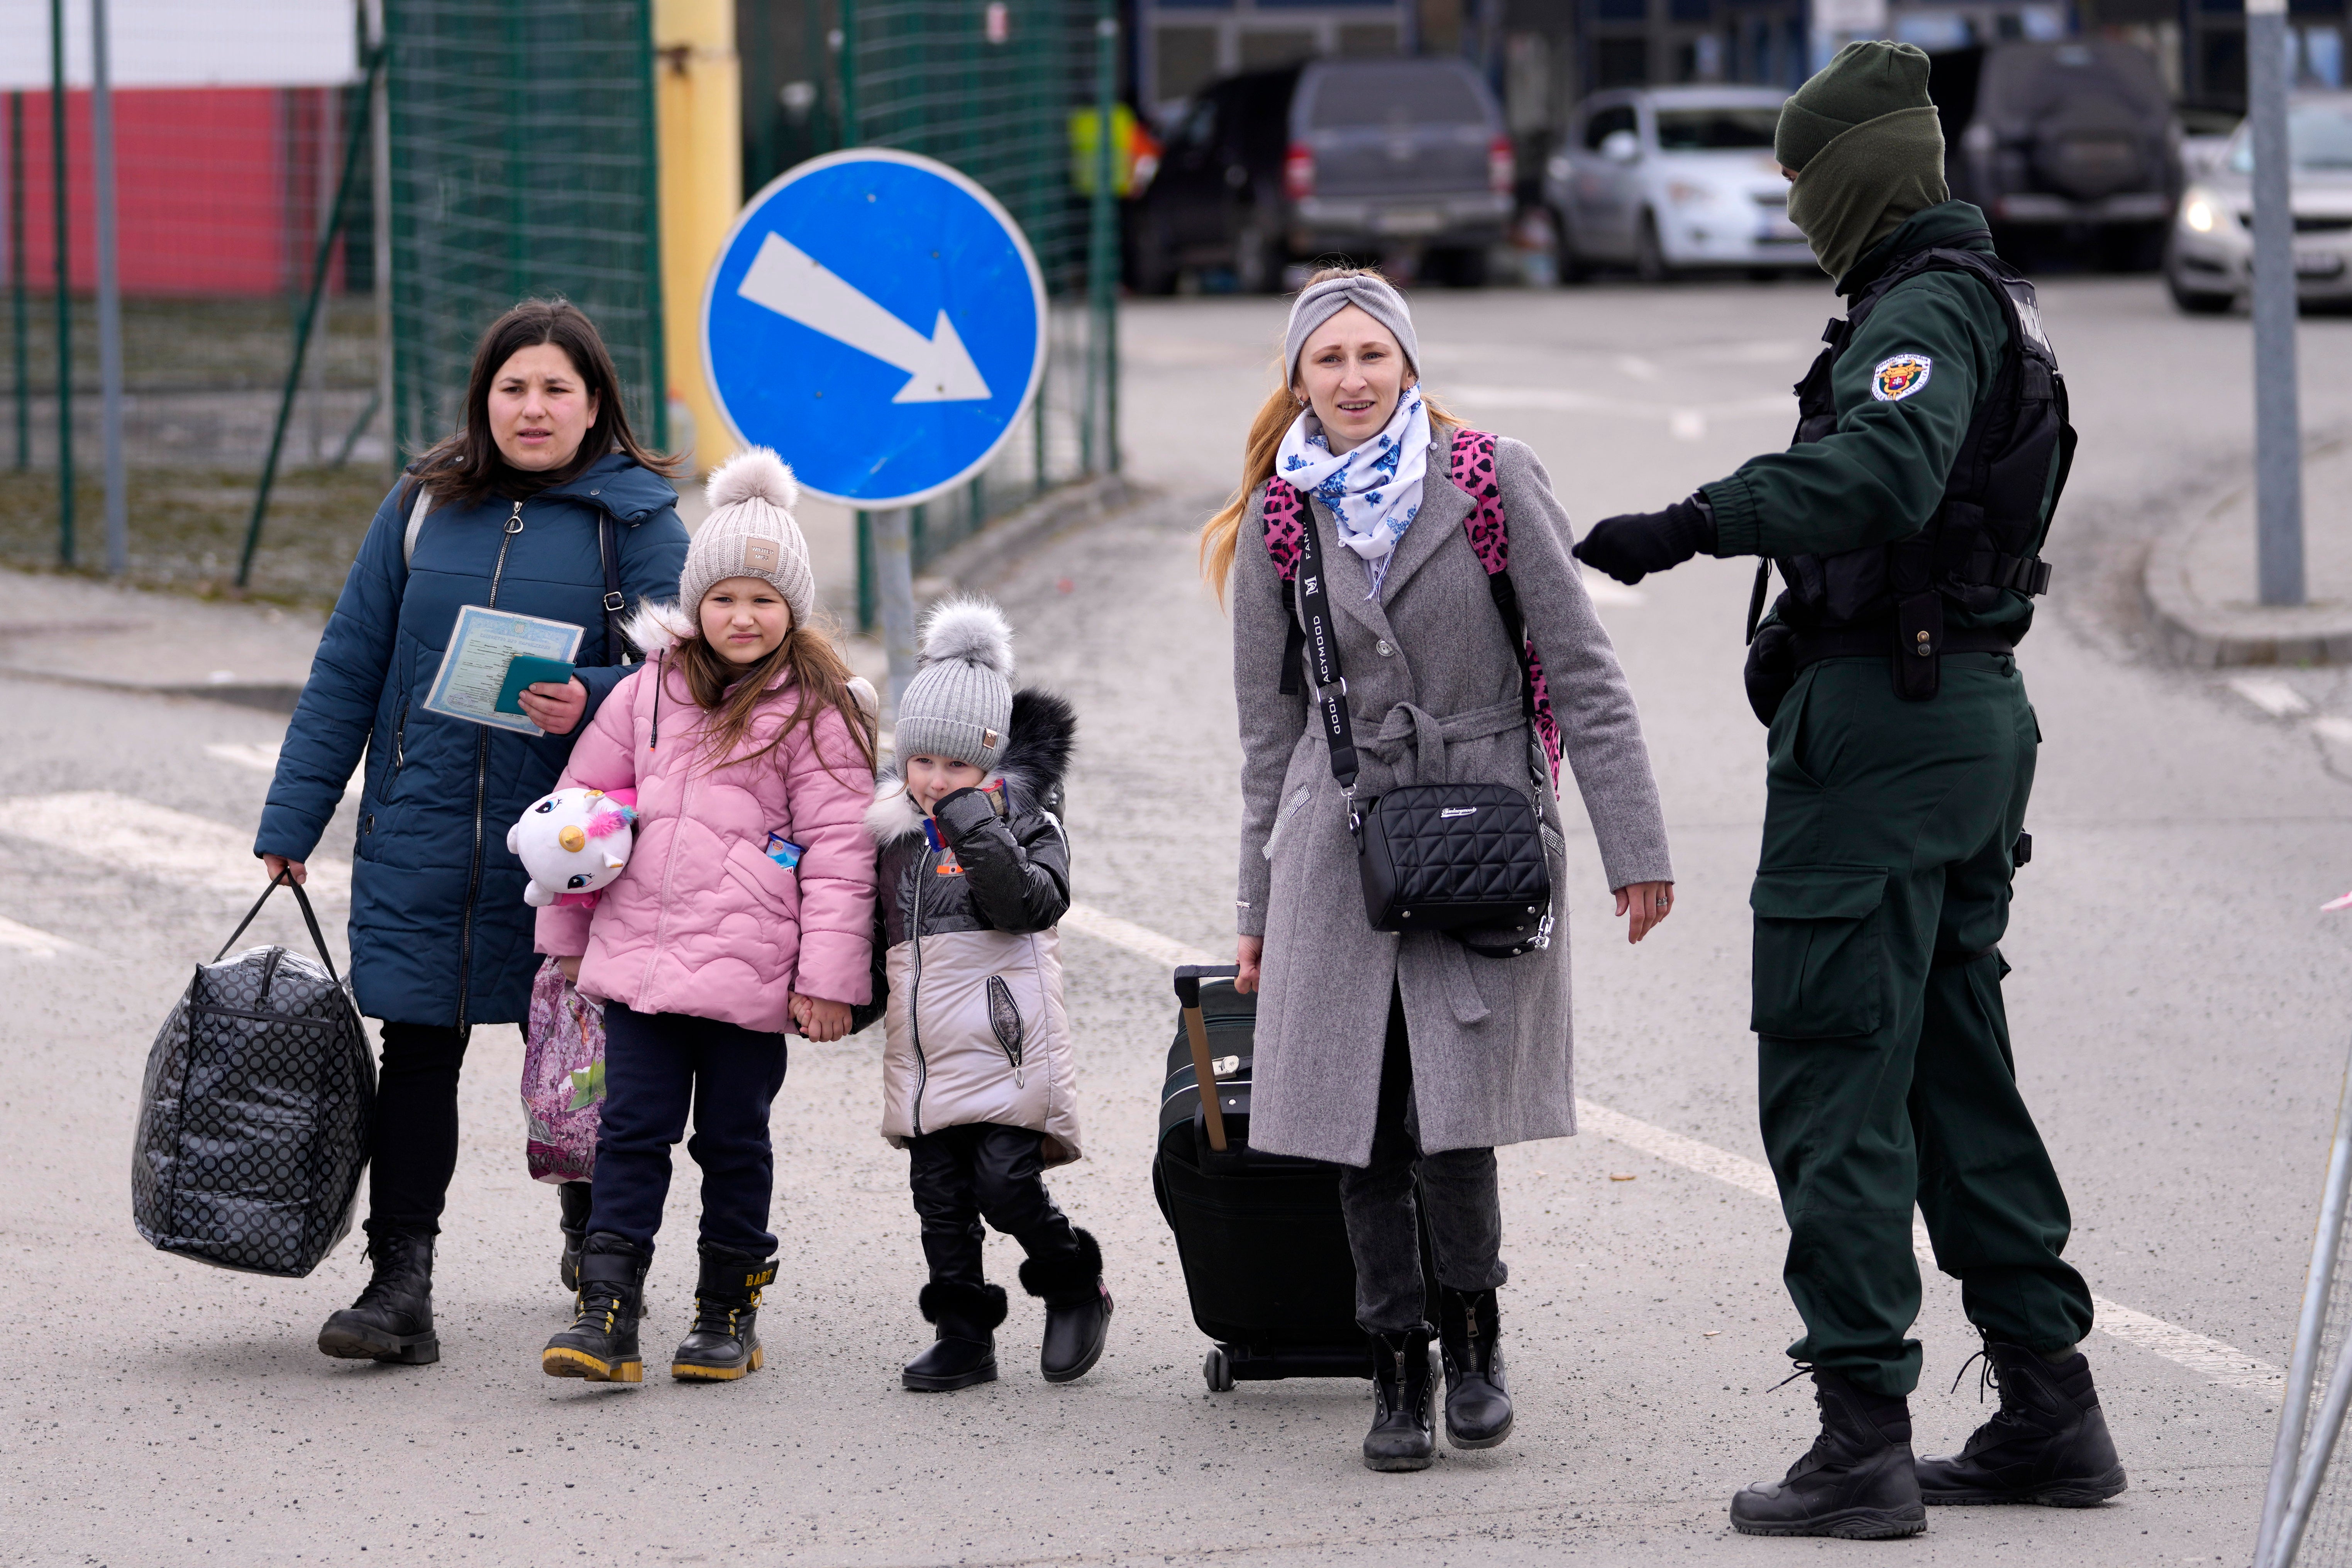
(522, 509)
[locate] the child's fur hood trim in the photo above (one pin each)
(658, 628)
(1041, 736)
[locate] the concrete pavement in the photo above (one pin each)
(2178, 1007)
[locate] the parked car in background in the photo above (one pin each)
(2076, 141)
(1354, 158)
(1671, 179)
(2209, 263)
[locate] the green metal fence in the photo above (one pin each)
(522, 163)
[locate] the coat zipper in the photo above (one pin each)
(482, 796)
(400, 739)
(915, 992)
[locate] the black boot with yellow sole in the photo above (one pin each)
(600, 1345)
(724, 1343)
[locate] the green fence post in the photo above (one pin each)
(17, 312)
(849, 133)
(64, 277)
(656, 344)
(1103, 286)
(352, 142)
(864, 571)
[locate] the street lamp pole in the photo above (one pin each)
(2278, 438)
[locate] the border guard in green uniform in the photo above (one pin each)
(1906, 521)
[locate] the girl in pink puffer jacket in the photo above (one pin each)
(746, 909)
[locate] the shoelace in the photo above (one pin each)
(380, 1283)
(601, 1296)
(707, 1319)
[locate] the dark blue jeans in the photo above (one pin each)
(655, 1065)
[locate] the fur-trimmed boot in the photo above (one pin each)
(965, 1351)
(573, 1197)
(600, 1345)
(2048, 1443)
(1855, 1482)
(724, 1343)
(1078, 1309)
(393, 1318)
(1477, 1401)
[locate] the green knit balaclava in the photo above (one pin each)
(1868, 150)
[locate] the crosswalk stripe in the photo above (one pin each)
(2211, 1359)
(156, 841)
(33, 944)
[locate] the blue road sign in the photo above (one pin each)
(879, 320)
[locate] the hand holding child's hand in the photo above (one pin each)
(819, 1019)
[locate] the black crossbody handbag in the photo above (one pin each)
(1463, 858)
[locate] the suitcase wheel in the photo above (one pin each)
(1217, 1370)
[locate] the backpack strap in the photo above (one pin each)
(1284, 514)
(418, 505)
(1472, 468)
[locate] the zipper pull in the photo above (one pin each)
(514, 519)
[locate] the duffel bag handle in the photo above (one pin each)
(318, 939)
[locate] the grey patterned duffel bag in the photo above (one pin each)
(252, 1123)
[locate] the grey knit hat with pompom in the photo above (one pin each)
(750, 534)
(960, 702)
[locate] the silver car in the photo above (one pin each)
(1668, 179)
(2208, 264)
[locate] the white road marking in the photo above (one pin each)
(33, 944)
(1136, 939)
(156, 841)
(2332, 728)
(1566, 400)
(1604, 590)
(1688, 424)
(260, 759)
(2208, 1358)
(2275, 698)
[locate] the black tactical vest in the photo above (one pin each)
(1980, 541)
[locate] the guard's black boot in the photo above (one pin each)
(600, 1345)
(965, 1351)
(573, 1196)
(1401, 1438)
(393, 1318)
(1078, 1309)
(1477, 1404)
(724, 1343)
(2048, 1443)
(1856, 1480)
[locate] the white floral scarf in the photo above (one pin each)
(1373, 489)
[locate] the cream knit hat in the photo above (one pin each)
(750, 534)
(960, 703)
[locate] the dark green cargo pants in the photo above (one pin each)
(1883, 1050)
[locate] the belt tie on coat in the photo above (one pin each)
(1430, 736)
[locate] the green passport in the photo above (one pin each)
(528, 670)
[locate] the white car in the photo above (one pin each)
(2208, 264)
(1668, 179)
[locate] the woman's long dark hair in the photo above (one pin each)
(467, 466)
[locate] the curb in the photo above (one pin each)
(996, 547)
(268, 696)
(2199, 635)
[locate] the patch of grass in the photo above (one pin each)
(187, 528)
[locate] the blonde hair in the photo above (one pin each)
(1221, 535)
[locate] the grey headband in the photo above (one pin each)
(1320, 302)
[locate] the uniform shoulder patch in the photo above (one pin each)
(1896, 379)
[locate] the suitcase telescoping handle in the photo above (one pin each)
(1196, 1029)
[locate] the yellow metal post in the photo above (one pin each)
(698, 95)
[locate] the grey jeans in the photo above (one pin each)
(1458, 1187)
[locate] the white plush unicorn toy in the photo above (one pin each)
(573, 843)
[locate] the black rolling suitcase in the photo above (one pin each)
(1263, 1246)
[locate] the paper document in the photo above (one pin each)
(481, 646)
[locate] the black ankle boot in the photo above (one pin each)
(600, 1345)
(965, 1351)
(393, 1318)
(1401, 1438)
(2048, 1443)
(1854, 1483)
(1477, 1404)
(573, 1197)
(724, 1343)
(1077, 1311)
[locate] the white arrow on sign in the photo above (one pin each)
(793, 284)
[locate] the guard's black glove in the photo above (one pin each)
(1632, 544)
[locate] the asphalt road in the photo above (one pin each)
(2179, 1008)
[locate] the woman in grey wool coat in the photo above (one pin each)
(1388, 1054)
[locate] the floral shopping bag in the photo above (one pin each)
(562, 1078)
